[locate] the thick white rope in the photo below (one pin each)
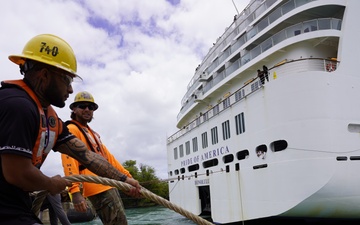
(125, 188)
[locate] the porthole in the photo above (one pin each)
(279, 145)
(243, 154)
(182, 170)
(210, 163)
(261, 151)
(193, 167)
(228, 158)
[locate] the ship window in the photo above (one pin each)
(204, 140)
(176, 172)
(255, 86)
(310, 25)
(226, 103)
(354, 128)
(240, 41)
(221, 69)
(214, 135)
(324, 24)
(197, 121)
(181, 150)
(277, 38)
(228, 158)
(278, 145)
(182, 170)
(245, 58)
(226, 129)
(193, 167)
(261, 148)
(336, 24)
(341, 158)
(262, 24)
(293, 30)
(236, 57)
(175, 153)
(251, 33)
(266, 45)
(187, 147)
(205, 116)
(256, 51)
(195, 144)
(243, 154)
(216, 110)
(210, 163)
(239, 95)
(240, 123)
(275, 15)
(171, 173)
(261, 151)
(287, 7)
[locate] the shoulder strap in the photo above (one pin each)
(83, 132)
(81, 167)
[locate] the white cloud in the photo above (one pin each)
(136, 58)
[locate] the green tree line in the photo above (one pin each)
(146, 176)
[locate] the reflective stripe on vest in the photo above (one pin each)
(48, 130)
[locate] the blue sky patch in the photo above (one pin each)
(173, 2)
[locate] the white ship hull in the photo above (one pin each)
(305, 119)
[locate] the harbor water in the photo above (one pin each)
(157, 215)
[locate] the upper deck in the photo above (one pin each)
(241, 47)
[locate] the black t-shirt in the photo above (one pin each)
(19, 127)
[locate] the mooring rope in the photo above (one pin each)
(40, 196)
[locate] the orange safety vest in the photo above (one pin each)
(93, 141)
(72, 166)
(49, 128)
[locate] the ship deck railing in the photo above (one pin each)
(289, 32)
(239, 30)
(251, 86)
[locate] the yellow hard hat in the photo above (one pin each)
(48, 49)
(83, 96)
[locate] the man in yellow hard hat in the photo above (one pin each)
(30, 128)
(105, 199)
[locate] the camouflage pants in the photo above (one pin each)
(109, 207)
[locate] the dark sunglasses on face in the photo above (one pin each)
(84, 106)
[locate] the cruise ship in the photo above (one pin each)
(269, 126)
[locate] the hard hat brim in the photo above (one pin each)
(20, 60)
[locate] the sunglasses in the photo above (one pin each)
(84, 106)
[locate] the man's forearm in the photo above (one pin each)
(92, 161)
(100, 166)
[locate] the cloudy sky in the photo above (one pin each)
(136, 57)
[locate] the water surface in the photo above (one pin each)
(157, 215)
(160, 215)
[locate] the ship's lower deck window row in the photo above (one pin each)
(260, 151)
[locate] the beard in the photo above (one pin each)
(53, 94)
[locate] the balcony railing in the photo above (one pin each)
(282, 69)
(297, 29)
(239, 26)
